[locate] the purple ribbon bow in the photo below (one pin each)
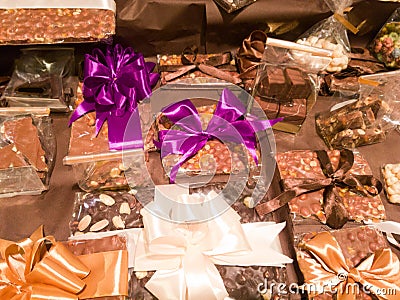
(113, 85)
(227, 124)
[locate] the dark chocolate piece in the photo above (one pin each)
(24, 135)
(94, 212)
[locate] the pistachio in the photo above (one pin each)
(107, 200)
(84, 222)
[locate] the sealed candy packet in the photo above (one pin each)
(330, 34)
(116, 83)
(27, 148)
(366, 121)
(386, 45)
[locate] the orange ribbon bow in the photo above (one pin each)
(38, 268)
(325, 270)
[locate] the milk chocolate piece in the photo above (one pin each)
(270, 108)
(273, 85)
(294, 111)
(55, 25)
(11, 157)
(304, 164)
(24, 135)
(300, 86)
(90, 208)
(356, 243)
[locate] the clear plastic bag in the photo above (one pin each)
(328, 34)
(386, 44)
(43, 77)
(107, 211)
(367, 120)
(391, 178)
(54, 22)
(28, 149)
(307, 207)
(283, 88)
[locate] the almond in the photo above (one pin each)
(107, 200)
(84, 222)
(118, 223)
(99, 225)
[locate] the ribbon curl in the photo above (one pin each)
(227, 124)
(29, 270)
(113, 85)
(327, 267)
(334, 209)
(184, 255)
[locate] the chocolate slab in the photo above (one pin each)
(294, 111)
(24, 135)
(300, 86)
(11, 157)
(98, 212)
(356, 243)
(55, 25)
(304, 164)
(270, 108)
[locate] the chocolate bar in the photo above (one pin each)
(353, 125)
(24, 135)
(356, 244)
(391, 175)
(298, 82)
(11, 157)
(54, 25)
(274, 85)
(294, 112)
(270, 108)
(97, 212)
(305, 164)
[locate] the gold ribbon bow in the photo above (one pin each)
(326, 270)
(185, 255)
(39, 268)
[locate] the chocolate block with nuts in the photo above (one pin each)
(305, 164)
(98, 212)
(11, 157)
(356, 244)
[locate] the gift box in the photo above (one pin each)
(101, 149)
(191, 68)
(95, 269)
(332, 187)
(27, 148)
(357, 265)
(50, 22)
(237, 279)
(214, 139)
(107, 211)
(366, 121)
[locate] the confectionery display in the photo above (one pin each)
(229, 150)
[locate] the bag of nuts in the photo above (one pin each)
(330, 34)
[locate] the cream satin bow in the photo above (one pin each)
(184, 255)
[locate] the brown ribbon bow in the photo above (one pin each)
(325, 270)
(250, 54)
(334, 209)
(208, 66)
